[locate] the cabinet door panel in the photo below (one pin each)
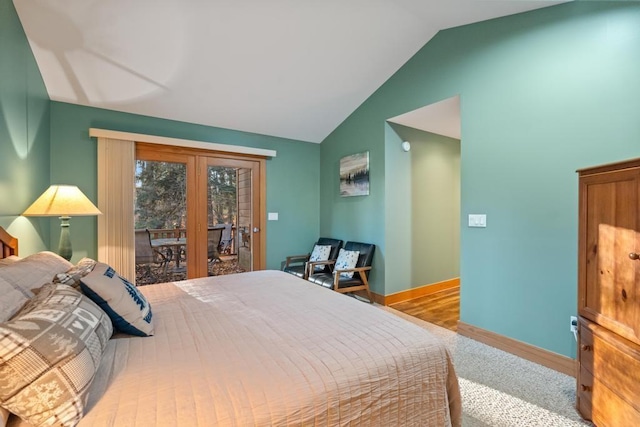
(609, 227)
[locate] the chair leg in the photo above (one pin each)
(363, 276)
(365, 285)
(164, 271)
(306, 273)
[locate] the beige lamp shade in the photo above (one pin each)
(62, 200)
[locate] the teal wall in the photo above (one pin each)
(542, 94)
(292, 176)
(24, 134)
(433, 243)
(398, 217)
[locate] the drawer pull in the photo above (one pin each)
(585, 387)
(585, 347)
(624, 295)
(634, 256)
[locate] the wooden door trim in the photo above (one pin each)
(197, 152)
(179, 154)
(160, 141)
(259, 193)
(148, 152)
(263, 214)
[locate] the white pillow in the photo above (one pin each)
(19, 278)
(320, 253)
(120, 299)
(347, 259)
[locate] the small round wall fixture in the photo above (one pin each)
(406, 146)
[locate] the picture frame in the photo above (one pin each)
(354, 175)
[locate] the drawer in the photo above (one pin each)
(612, 361)
(583, 396)
(585, 354)
(598, 403)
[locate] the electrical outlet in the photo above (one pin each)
(573, 324)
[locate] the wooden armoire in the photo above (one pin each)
(608, 384)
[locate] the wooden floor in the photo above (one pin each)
(441, 308)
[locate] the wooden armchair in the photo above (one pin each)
(297, 264)
(339, 279)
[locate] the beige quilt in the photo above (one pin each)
(269, 349)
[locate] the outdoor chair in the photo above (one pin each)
(351, 270)
(214, 237)
(297, 264)
(226, 240)
(146, 256)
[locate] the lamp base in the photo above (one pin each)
(64, 247)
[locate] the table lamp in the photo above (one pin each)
(63, 201)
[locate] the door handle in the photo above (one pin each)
(634, 256)
(256, 229)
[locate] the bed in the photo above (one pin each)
(267, 349)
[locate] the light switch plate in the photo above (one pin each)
(273, 216)
(477, 220)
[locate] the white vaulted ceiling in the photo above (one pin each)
(288, 68)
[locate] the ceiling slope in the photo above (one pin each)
(287, 68)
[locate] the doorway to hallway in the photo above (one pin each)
(441, 308)
(430, 168)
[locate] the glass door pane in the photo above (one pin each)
(229, 220)
(160, 221)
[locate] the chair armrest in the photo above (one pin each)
(355, 269)
(296, 258)
(327, 262)
(311, 265)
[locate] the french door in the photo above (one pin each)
(204, 194)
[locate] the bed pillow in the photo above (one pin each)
(4, 417)
(320, 253)
(13, 297)
(6, 261)
(120, 299)
(49, 354)
(347, 259)
(73, 275)
(19, 278)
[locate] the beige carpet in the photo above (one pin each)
(502, 390)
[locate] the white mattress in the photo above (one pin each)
(269, 349)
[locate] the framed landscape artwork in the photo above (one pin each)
(354, 175)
